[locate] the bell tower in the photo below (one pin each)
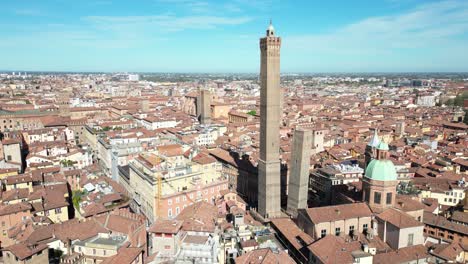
(380, 181)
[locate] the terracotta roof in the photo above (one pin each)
(171, 150)
(94, 209)
(223, 155)
(406, 203)
(249, 243)
(203, 159)
(124, 223)
(8, 170)
(292, 233)
(461, 217)
(15, 194)
(200, 216)
(447, 251)
(15, 208)
(111, 197)
(334, 249)
(403, 255)
(71, 229)
(461, 161)
(430, 204)
(23, 178)
(398, 218)
(23, 250)
(124, 256)
(338, 212)
(442, 223)
(166, 226)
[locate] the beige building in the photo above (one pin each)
(54, 205)
(22, 120)
(96, 249)
(239, 117)
(164, 182)
(12, 157)
(26, 254)
(398, 229)
(165, 236)
(219, 110)
(446, 194)
(340, 220)
(90, 137)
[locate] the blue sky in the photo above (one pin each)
(222, 36)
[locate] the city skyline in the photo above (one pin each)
(176, 35)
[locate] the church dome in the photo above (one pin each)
(382, 146)
(381, 170)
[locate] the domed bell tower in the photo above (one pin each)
(380, 181)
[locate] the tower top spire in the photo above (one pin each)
(270, 30)
(375, 141)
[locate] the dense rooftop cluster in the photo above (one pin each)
(101, 168)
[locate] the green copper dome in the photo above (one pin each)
(381, 170)
(383, 146)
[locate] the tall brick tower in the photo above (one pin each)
(299, 170)
(205, 107)
(269, 189)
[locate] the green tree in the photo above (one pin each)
(76, 199)
(67, 163)
(252, 112)
(407, 188)
(459, 100)
(449, 102)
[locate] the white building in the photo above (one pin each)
(426, 100)
(153, 122)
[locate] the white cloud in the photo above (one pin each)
(165, 23)
(438, 30)
(420, 27)
(104, 32)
